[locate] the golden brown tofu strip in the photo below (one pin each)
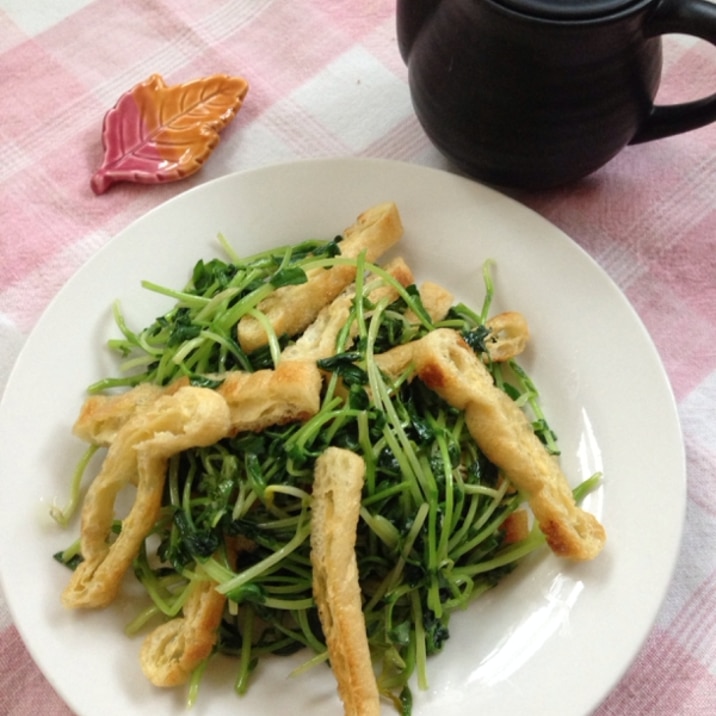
(447, 365)
(173, 650)
(256, 400)
(102, 416)
(290, 309)
(144, 427)
(139, 453)
(291, 392)
(338, 483)
(436, 301)
(508, 337)
(396, 361)
(319, 339)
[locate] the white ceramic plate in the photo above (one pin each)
(554, 637)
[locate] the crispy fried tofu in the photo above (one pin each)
(144, 427)
(139, 454)
(291, 392)
(290, 309)
(516, 527)
(509, 335)
(447, 365)
(338, 482)
(319, 339)
(102, 416)
(174, 649)
(436, 301)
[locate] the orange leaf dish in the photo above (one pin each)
(158, 133)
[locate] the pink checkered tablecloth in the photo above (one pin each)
(327, 80)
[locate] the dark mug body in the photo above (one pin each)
(525, 101)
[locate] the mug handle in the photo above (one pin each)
(689, 17)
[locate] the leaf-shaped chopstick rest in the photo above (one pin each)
(157, 134)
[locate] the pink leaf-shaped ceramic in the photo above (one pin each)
(156, 133)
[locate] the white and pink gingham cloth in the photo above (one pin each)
(327, 80)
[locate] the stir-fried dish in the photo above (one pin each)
(321, 455)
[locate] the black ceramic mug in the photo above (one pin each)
(538, 93)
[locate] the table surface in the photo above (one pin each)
(327, 80)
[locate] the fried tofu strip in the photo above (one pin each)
(396, 361)
(291, 392)
(256, 400)
(173, 650)
(102, 416)
(436, 301)
(398, 269)
(446, 364)
(509, 335)
(338, 482)
(319, 339)
(191, 417)
(143, 428)
(290, 309)
(516, 527)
